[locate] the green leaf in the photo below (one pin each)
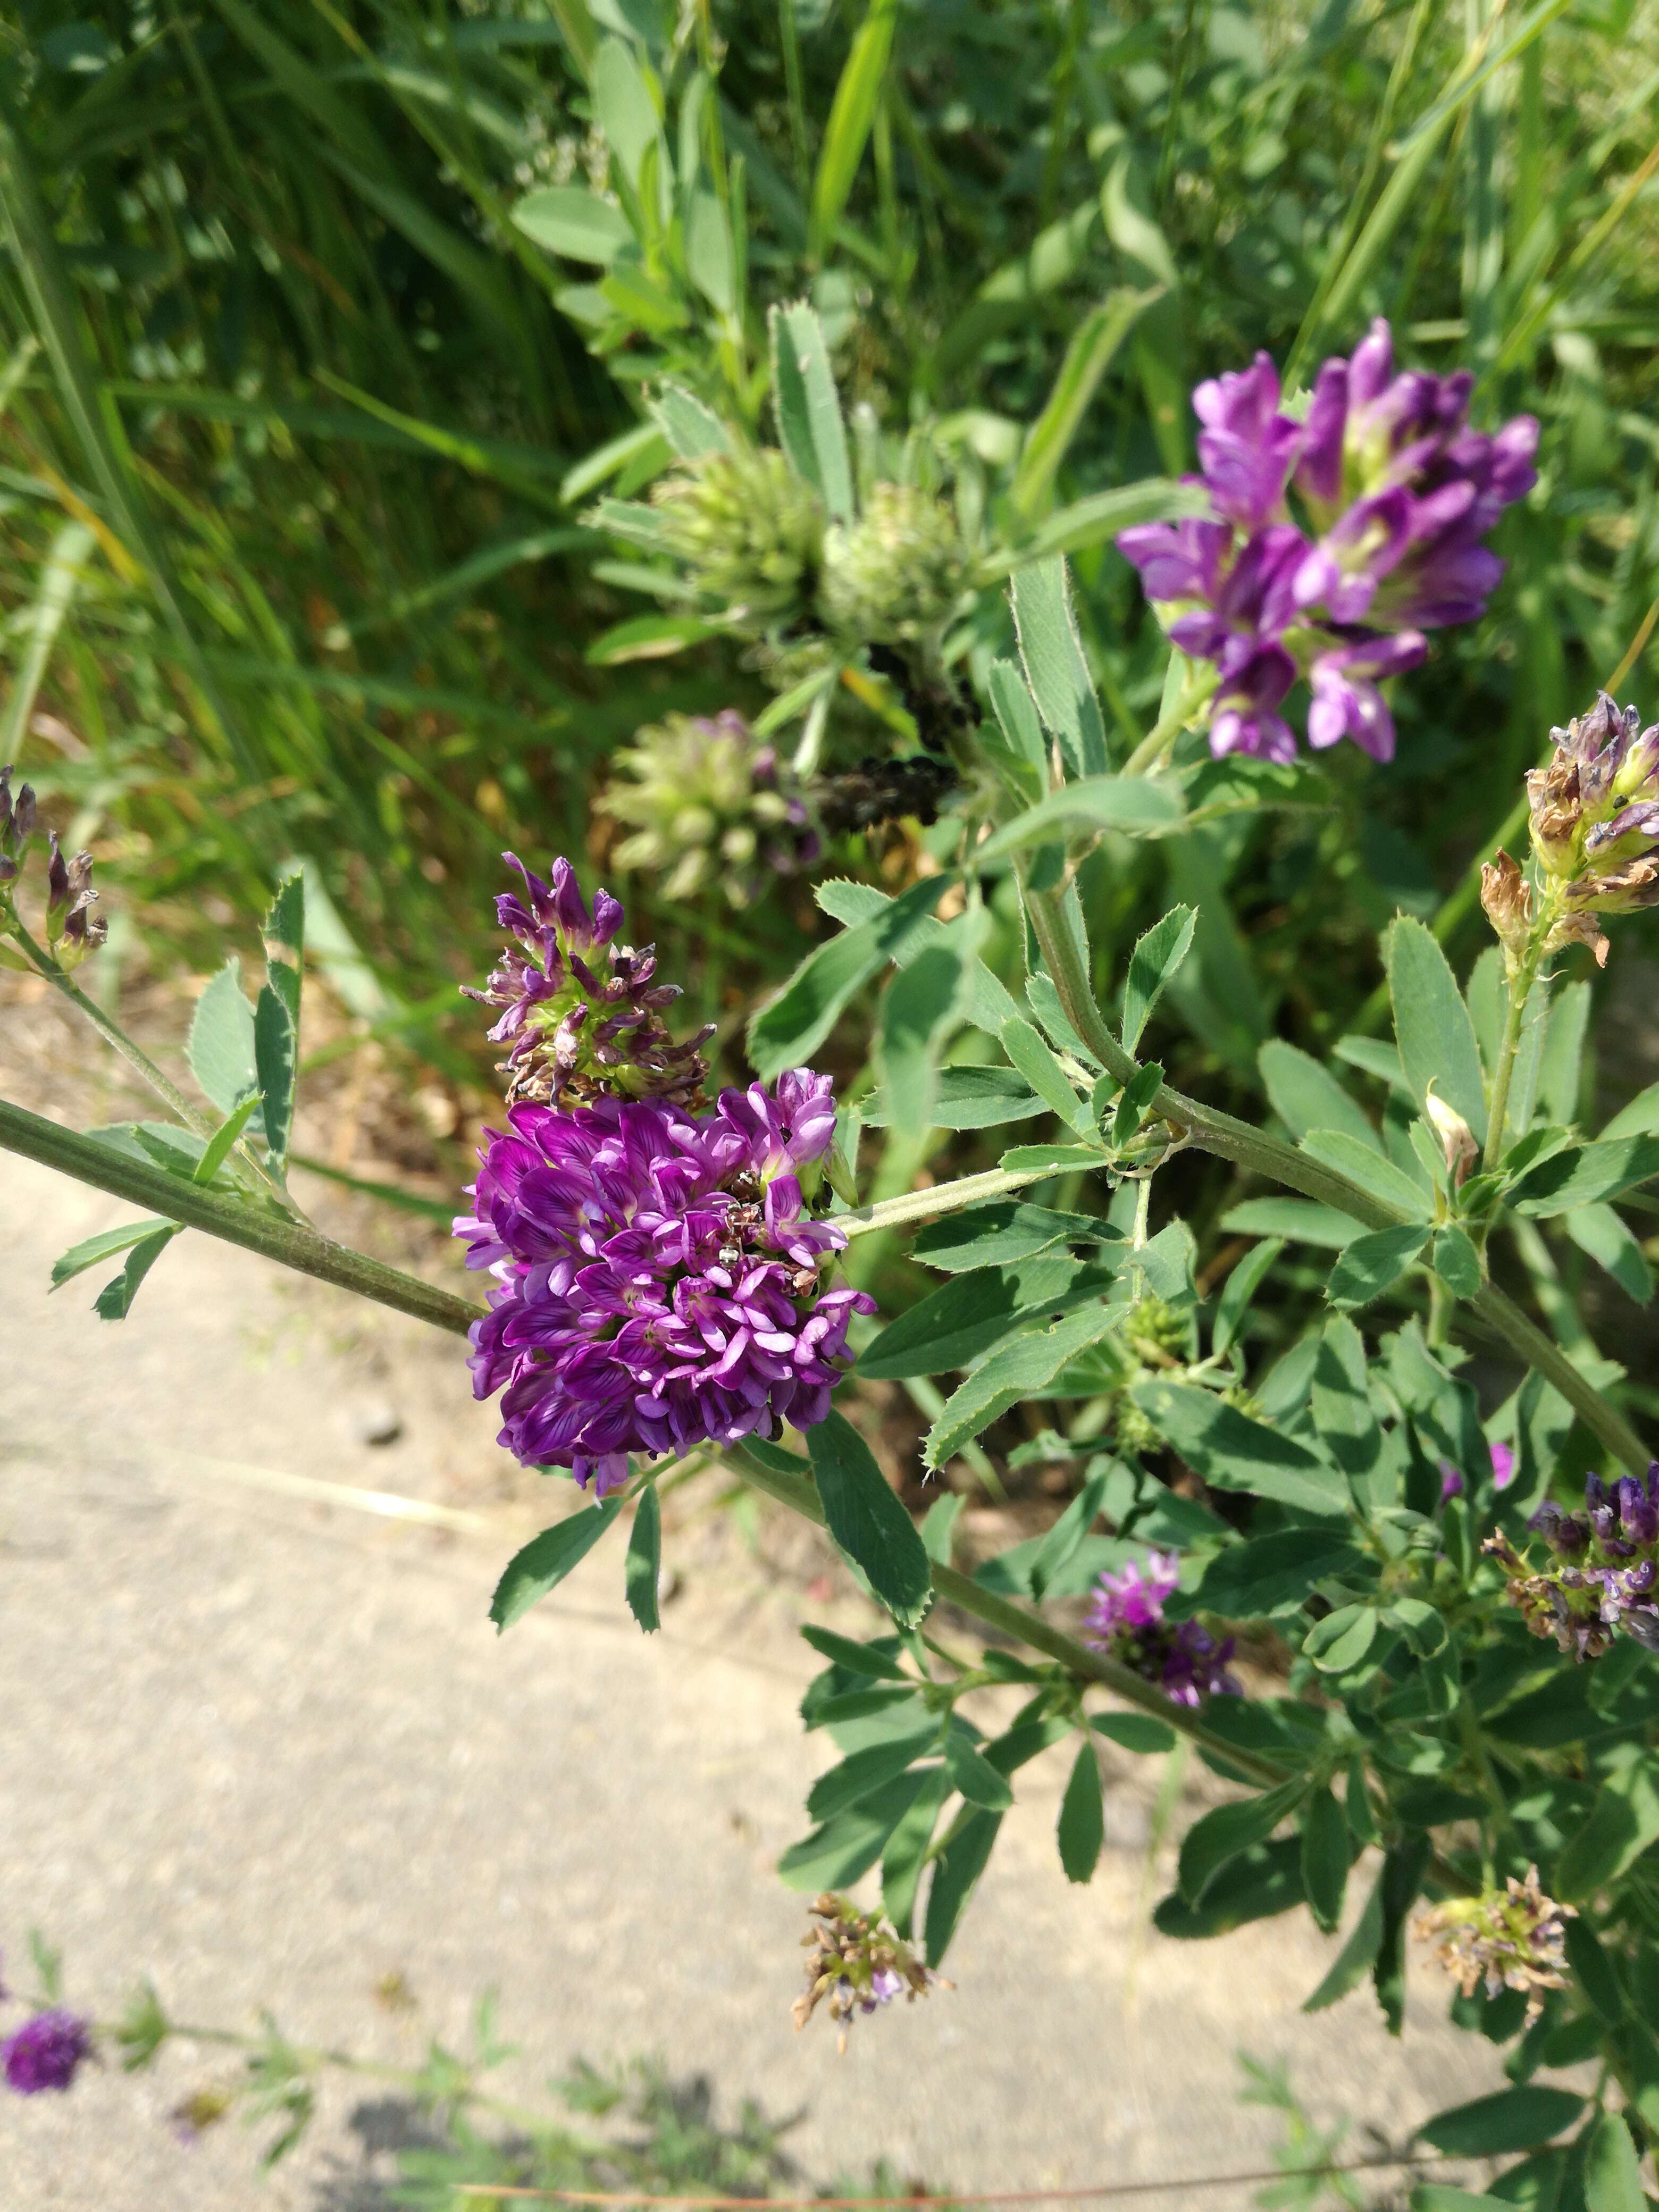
(905, 1854)
(1624, 1821)
(1067, 1533)
(1587, 1176)
(1051, 1159)
(1341, 1405)
(114, 1301)
(1377, 1177)
(834, 1856)
(1594, 1971)
(1016, 711)
(1341, 1639)
(217, 1148)
(1230, 1451)
(974, 1776)
(546, 1560)
(1639, 1119)
(1325, 1858)
(955, 1324)
(1094, 342)
(856, 1658)
(1240, 1287)
(1100, 515)
(568, 219)
(1456, 1261)
(103, 1246)
(1258, 1883)
(966, 1098)
(1441, 2197)
(1052, 653)
(1155, 959)
(789, 1031)
(1237, 784)
(852, 116)
(623, 107)
(284, 930)
(867, 1771)
(919, 1009)
(1561, 1076)
(1004, 1231)
(1222, 1834)
(1612, 1245)
(642, 1571)
(1082, 1827)
(1613, 2172)
(1126, 803)
(1512, 2119)
(1354, 1961)
(276, 1054)
(1437, 1037)
(220, 1046)
(1018, 1371)
(867, 1522)
(809, 427)
(1372, 1263)
(1037, 1064)
(692, 429)
(956, 1874)
(939, 1527)
(1274, 1574)
(988, 1003)
(1403, 1867)
(1138, 1732)
(1302, 1220)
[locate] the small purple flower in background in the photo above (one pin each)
(659, 1279)
(45, 2053)
(1336, 540)
(1125, 1620)
(1503, 1473)
(1604, 1572)
(579, 1028)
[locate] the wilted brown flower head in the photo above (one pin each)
(1513, 1938)
(858, 1964)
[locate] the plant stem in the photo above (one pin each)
(938, 1198)
(1028, 1628)
(1159, 742)
(278, 1237)
(1521, 983)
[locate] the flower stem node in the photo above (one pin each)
(1513, 1938)
(858, 1964)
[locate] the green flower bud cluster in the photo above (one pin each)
(747, 528)
(897, 572)
(760, 547)
(708, 804)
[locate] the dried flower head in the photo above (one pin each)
(1603, 1576)
(1125, 1618)
(750, 531)
(1332, 542)
(858, 1964)
(710, 804)
(896, 573)
(1594, 810)
(46, 2052)
(1513, 1938)
(578, 1028)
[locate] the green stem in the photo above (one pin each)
(237, 1221)
(1521, 983)
(938, 1198)
(1024, 1627)
(1159, 742)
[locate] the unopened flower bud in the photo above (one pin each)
(23, 815)
(710, 804)
(1455, 1138)
(748, 530)
(896, 573)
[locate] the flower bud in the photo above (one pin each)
(1595, 820)
(708, 805)
(1455, 1138)
(1506, 896)
(748, 530)
(898, 572)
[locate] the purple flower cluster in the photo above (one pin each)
(45, 2053)
(659, 1276)
(1605, 1572)
(1125, 1618)
(578, 1029)
(1334, 541)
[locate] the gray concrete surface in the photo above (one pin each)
(268, 1751)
